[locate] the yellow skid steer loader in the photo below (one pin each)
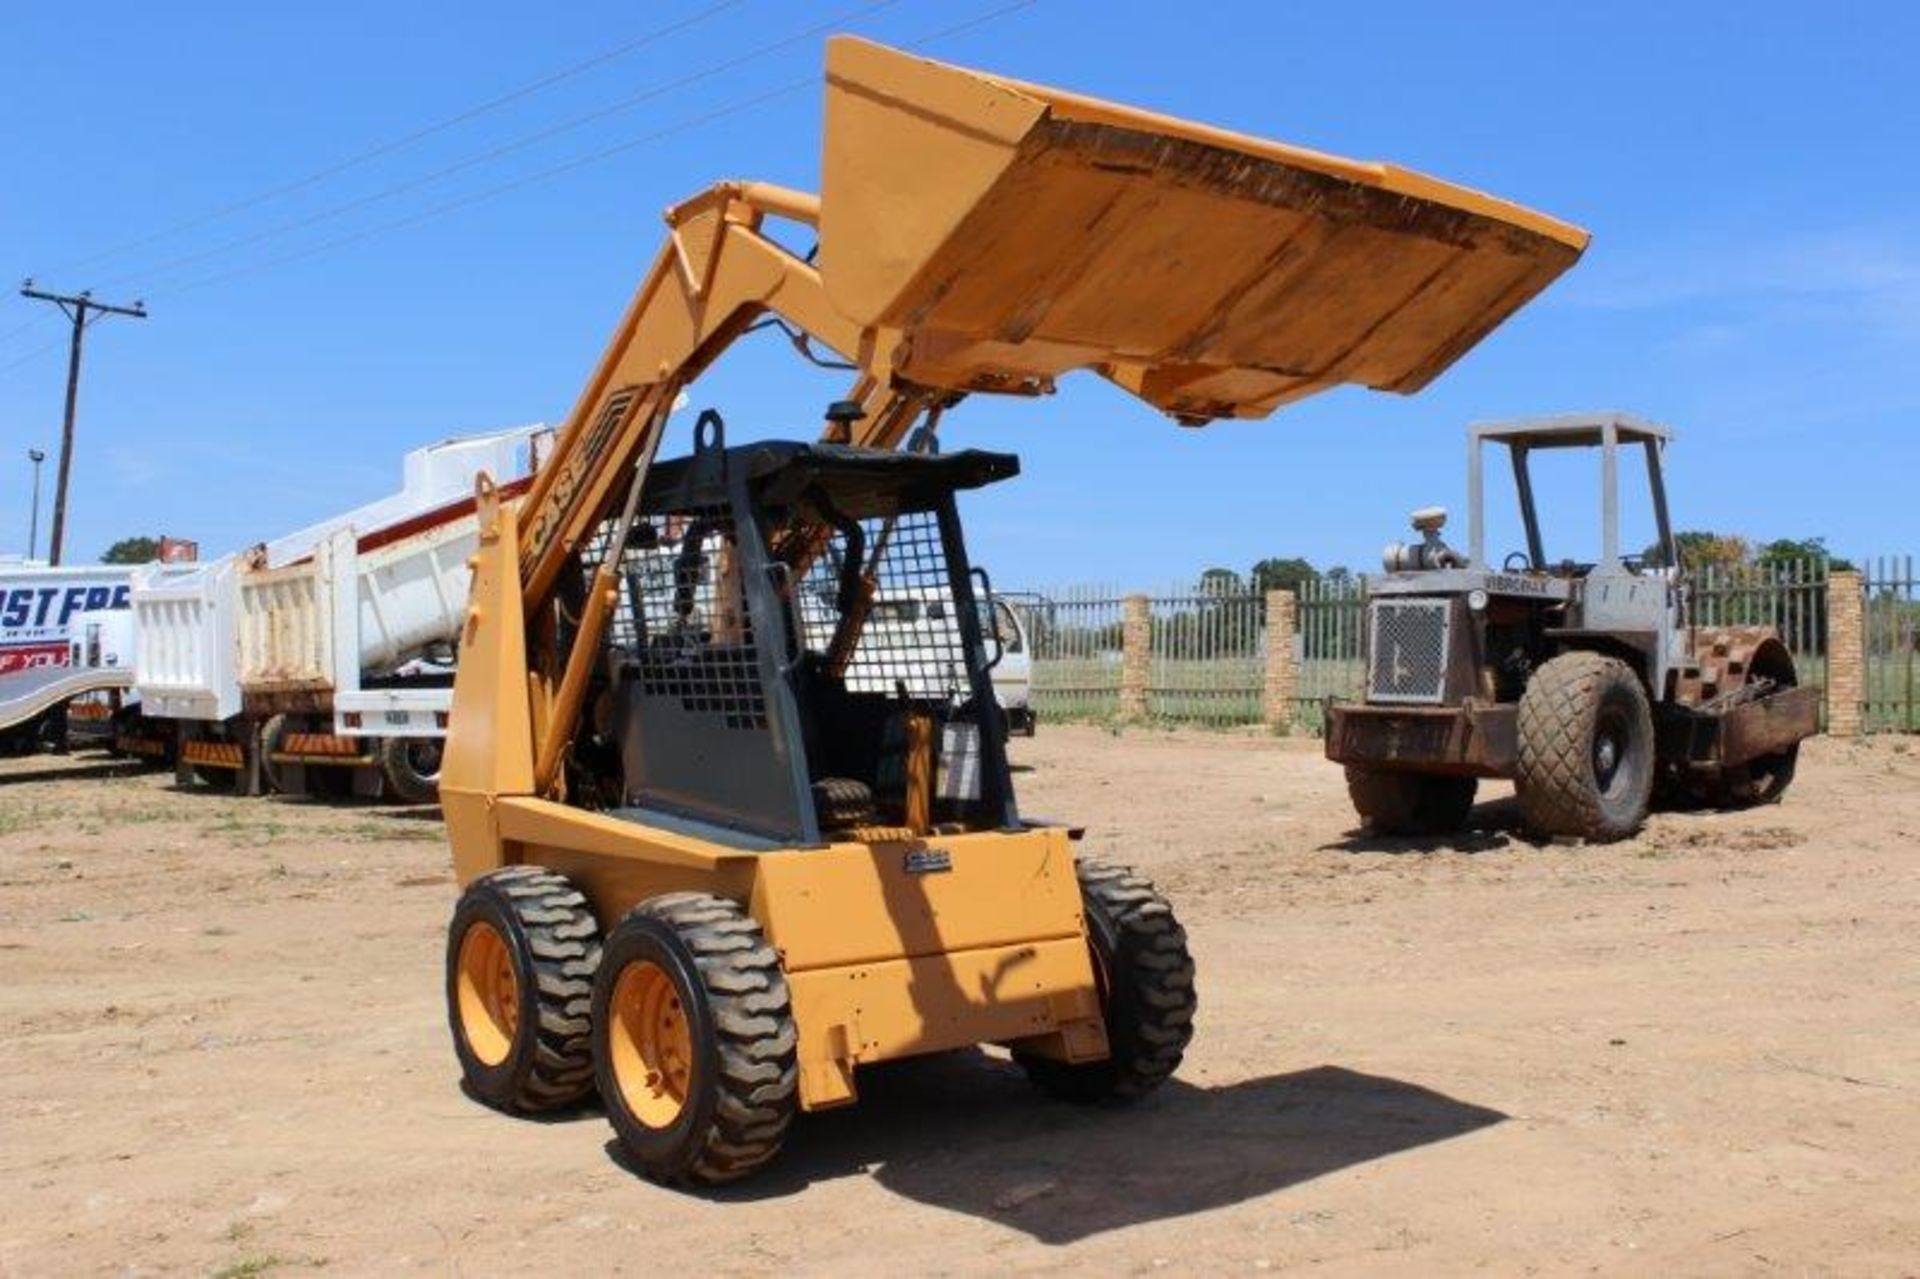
(720, 844)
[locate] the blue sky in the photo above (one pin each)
(1747, 171)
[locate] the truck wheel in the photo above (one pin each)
(272, 738)
(412, 767)
(1394, 803)
(1145, 980)
(694, 1044)
(521, 954)
(1586, 750)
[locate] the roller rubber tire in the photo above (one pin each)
(1575, 709)
(1394, 803)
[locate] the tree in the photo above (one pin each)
(1283, 574)
(1787, 550)
(1219, 583)
(132, 550)
(1701, 549)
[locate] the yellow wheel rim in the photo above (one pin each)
(488, 993)
(651, 1044)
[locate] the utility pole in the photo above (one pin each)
(35, 456)
(76, 308)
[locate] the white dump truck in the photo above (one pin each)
(321, 663)
(64, 633)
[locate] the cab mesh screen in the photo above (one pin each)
(683, 619)
(911, 638)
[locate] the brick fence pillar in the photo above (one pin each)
(1276, 693)
(1136, 655)
(1846, 654)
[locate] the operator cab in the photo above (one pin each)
(762, 685)
(1611, 434)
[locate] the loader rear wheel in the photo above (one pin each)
(1586, 765)
(412, 768)
(694, 1044)
(521, 955)
(1144, 976)
(1393, 803)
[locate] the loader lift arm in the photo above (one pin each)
(977, 234)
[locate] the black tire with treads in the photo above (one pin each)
(1394, 803)
(411, 766)
(1571, 704)
(1146, 990)
(273, 776)
(554, 942)
(745, 1085)
(842, 801)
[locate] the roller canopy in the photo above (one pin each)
(1008, 233)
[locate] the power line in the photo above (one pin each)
(579, 162)
(504, 149)
(407, 140)
(18, 329)
(31, 356)
(489, 193)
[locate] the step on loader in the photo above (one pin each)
(721, 845)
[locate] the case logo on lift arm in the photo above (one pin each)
(577, 465)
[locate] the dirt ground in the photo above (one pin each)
(1697, 1052)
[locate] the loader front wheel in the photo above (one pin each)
(1144, 977)
(694, 1044)
(1393, 803)
(521, 955)
(1586, 765)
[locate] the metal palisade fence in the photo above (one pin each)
(1075, 638)
(1208, 655)
(1891, 634)
(1330, 653)
(1201, 653)
(1788, 595)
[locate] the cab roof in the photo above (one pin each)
(1569, 430)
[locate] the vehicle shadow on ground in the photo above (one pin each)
(390, 810)
(1491, 826)
(965, 1132)
(93, 770)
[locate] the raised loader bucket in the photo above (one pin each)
(1008, 233)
